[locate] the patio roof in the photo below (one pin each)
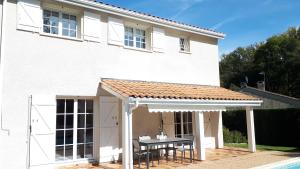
(166, 97)
(146, 89)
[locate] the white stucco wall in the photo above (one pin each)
(37, 64)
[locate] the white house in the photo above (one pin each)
(79, 79)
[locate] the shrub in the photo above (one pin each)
(272, 127)
(233, 136)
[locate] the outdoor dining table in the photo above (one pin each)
(166, 141)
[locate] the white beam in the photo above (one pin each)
(130, 146)
(220, 104)
(200, 135)
(125, 135)
(250, 129)
(220, 142)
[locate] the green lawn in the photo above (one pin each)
(264, 147)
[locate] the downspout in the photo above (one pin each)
(29, 129)
(2, 40)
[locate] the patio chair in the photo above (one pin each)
(139, 152)
(183, 147)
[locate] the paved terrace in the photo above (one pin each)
(227, 158)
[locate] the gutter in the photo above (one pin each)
(2, 40)
(194, 102)
(142, 17)
(28, 132)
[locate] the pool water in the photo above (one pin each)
(290, 166)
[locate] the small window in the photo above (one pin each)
(69, 24)
(135, 38)
(140, 38)
(50, 22)
(129, 37)
(57, 23)
(184, 44)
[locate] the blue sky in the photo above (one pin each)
(243, 21)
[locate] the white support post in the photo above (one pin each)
(130, 146)
(125, 135)
(220, 142)
(200, 135)
(250, 129)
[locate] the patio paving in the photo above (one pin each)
(226, 158)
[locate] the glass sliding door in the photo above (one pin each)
(64, 129)
(74, 140)
(85, 129)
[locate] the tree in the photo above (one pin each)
(278, 58)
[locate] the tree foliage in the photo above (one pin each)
(278, 58)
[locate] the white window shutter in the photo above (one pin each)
(29, 15)
(115, 31)
(158, 40)
(43, 127)
(92, 27)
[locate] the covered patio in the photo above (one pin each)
(172, 97)
(211, 154)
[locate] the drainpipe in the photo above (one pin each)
(2, 41)
(28, 132)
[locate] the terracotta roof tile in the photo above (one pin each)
(144, 89)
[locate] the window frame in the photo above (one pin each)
(135, 35)
(60, 24)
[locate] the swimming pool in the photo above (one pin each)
(289, 166)
(293, 163)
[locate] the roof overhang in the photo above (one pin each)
(178, 105)
(143, 17)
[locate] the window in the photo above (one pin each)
(59, 23)
(66, 130)
(135, 38)
(184, 44)
(129, 37)
(69, 24)
(50, 22)
(183, 124)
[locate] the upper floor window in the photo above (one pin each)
(50, 22)
(69, 25)
(184, 44)
(135, 37)
(58, 23)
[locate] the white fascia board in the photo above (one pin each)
(141, 17)
(226, 103)
(184, 108)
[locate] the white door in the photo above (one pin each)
(109, 129)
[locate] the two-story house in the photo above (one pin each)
(80, 79)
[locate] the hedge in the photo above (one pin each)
(280, 127)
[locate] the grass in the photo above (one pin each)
(265, 147)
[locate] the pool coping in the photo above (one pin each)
(278, 164)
